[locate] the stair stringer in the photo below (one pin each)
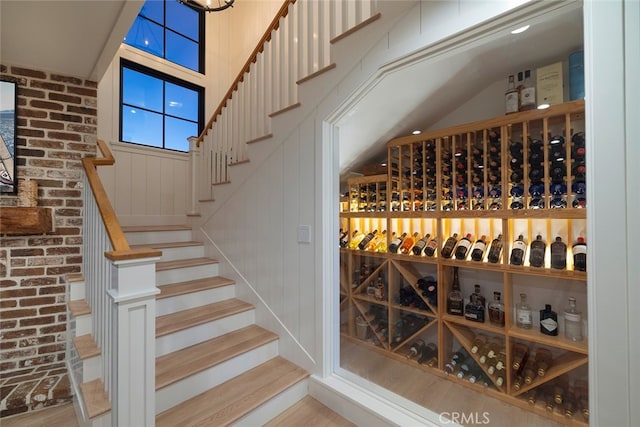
(288, 346)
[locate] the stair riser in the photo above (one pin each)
(83, 370)
(275, 406)
(78, 406)
(80, 325)
(192, 300)
(186, 252)
(147, 237)
(177, 393)
(76, 291)
(187, 273)
(190, 336)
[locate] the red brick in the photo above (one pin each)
(53, 329)
(50, 203)
(6, 389)
(43, 124)
(65, 117)
(7, 283)
(30, 132)
(27, 72)
(34, 271)
(35, 341)
(47, 105)
(39, 281)
(37, 261)
(90, 148)
(32, 93)
(25, 152)
(65, 98)
(7, 324)
(63, 250)
(18, 293)
(82, 110)
(45, 241)
(27, 252)
(56, 164)
(41, 360)
(73, 203)
(47, 85)
(8, 303)
(91, 83)
(18, 313)
(53, 309)
(17, 354)
(51, 290)
(73, 240)
(65, 231)
(82, 91)
(33, 321)
(27, 112)
(69, 212)
(53, 348)
(30, 302)
(66, 79)
(81, 128)
(74, 260)
(64, 270)
(18, 262)
(66, 136)
(45, 143)
(65, 194)
(13, 411)
(65, 155)
(50, 183)
(17, 333)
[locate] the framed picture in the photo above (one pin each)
(8, 100)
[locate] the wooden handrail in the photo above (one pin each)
(275, 23)
(121, 250)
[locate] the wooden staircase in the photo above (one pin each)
(214, 365)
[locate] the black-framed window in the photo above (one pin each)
(170, 30)
(157, 109)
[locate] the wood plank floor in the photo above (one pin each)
(309, 413)
(58, 416)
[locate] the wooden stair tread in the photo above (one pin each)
(182, 263)
(95, 398)
(74, 277)
(170, 323)
(188, 361)
(309, 412)
(167, 245)
(191, 286)
(233, 399)
(86, 346)
(142, 228)
(79, 307)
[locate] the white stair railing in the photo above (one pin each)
(120, 290)
(295, 47)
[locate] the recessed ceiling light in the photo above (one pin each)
(520, 30)
(383, 164)
(416, 132)
(543, 106)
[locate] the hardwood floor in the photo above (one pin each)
(58, 416)
(437, 394)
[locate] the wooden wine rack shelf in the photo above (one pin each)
(396, 202)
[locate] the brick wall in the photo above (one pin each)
(56, 118)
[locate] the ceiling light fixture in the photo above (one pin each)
(543, 106)
(416, 132)
(222, 5)
(520, 30)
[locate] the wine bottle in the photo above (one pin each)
(542, 360)
(511, 97)
(449, 244)
(495, 250)
(365, 241)
(519, 356)
(579, 250)
(463, 247)
(356, 239)
(429, 352)
(581, 391)
(537, 252)
(518, 251)
(474, 311)
(477, 253)
(455, 304)
(420, 245)
(478, 342)
(416, 349)
(431, 247)
(496, 310)
(381, 245)
(527, 93)
(407, 243)
(548, 321)
(524, 317)
(529, 373)
(395, 244)
(344, 239)
(373, 244)
(572, 321)
(558, 254)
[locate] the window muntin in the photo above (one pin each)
(170, 30)
(158, 110)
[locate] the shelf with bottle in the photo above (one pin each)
(370, 283)
(368, 194)
(524, 161)
(535, 365)
(406, 326)
(563, 398)
(461, 366)
(415, 239)
(370, 324)
(414, 288)
(421, 349)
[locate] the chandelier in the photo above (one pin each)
(225, 4)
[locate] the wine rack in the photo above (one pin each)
(515, 176)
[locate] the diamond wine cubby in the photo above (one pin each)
(471, 247)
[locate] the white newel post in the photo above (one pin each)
(133, 293)
(193, 152)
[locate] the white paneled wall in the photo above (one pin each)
(147, 184)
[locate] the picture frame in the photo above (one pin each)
(8, 128)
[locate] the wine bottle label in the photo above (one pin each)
(572, 317)
(580, 249)
(519, 244)
(528, 96)
(549, 324)
(511, 102)
(465, 244)
(480, 246)
(524, 317)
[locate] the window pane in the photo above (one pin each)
(182, 51)
(141, 127)
(141, 90)
(176, 133)
(183, 19)
(147, 36)
(154, 10)
(181, 102)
